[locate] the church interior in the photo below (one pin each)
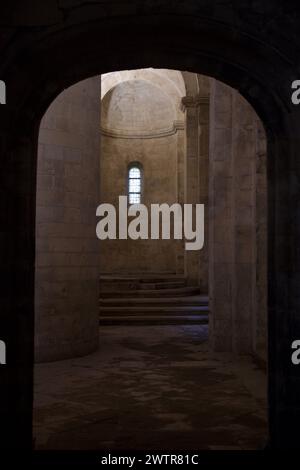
(140, 343)
(122, 344)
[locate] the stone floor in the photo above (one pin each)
(150, 387)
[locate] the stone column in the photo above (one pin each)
(221, 221)
(190, 105)
(67, 261)
(181, 149)
(260, 320)
(233, 221)
(244, 154)
(203, 188)
(196, 180)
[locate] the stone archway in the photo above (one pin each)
(61, 55)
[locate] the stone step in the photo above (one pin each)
(145, 280)
(154, 301)
(117, 286)
(119, 283)
(154, 320)
(141, 277)
(162, 285)
(179, 292)
(154, 310)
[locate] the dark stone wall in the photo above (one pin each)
(46, 46)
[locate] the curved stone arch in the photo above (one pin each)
(158, 77)
(172, 77)
(191, 83)
(170, 124)
(62, 55)
(196, 84)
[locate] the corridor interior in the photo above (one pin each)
(140, 344)
(151, 388)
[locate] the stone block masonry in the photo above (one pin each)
(67, 260)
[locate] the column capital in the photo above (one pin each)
(195, 101)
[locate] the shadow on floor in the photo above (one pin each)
(150, 387)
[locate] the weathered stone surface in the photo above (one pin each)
(237, 224)
(251, 46)
(139, 115)
(158, 379)
(67, 252)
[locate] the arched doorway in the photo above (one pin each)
(60, 57)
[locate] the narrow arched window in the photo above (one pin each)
(135, 183)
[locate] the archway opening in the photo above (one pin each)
(217, 158)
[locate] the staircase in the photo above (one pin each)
(150, 300)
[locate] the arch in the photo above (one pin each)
(189, 39)
(172, 87)
(170, 81)
(191, 83)
(122, 119)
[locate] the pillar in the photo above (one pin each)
(67, 261)
(196, 180)
(234, 195)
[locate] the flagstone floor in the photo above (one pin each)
(151, 388)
